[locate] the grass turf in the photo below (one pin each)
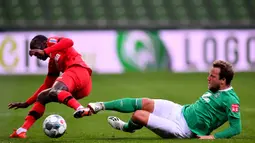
(180, 88)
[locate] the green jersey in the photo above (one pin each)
(211, 111)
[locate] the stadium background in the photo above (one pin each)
(137, 48)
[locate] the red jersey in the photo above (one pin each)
(63, 55)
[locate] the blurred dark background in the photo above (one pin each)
(125, 14)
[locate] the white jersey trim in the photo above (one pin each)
(227, 89)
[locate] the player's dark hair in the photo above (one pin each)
(226, 70)
(38, 42)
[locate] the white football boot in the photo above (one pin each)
(116, 123)
(96, 107)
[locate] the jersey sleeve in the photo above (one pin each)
(56, 44)
(52, 75)
(232, 107)
(234, 129)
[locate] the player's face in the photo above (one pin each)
(41, 46)
(214, 79)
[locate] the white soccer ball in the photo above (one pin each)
(54, 126)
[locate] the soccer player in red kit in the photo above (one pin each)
(75, 82)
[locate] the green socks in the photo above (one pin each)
(124, 105)
(131, 126)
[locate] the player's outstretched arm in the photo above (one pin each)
(234, 129)
(47, 84)
(52, 75)
(30, 100)
(234, 117)
(62, 44)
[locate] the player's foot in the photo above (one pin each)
(82, 112)
(96, 107)
(116, 123)
(16, 135)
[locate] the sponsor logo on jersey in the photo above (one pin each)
(206, 97)
(235, 108)
(56, 58)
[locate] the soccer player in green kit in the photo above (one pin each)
(168, 119)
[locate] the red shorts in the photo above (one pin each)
(78, 81)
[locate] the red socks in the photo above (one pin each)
(35, 113)
(67, 99)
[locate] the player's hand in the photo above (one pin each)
(210, 137)
(18, 105)
(37, 53)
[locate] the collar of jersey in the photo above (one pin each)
(227, 89)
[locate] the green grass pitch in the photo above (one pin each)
(180, 88)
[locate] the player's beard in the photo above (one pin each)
(214, 88)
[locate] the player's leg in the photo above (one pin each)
(140, 106)
(165, 128)
(85, 84)
(60, 92)
(35, 113)
(166, 120)
(70, 81)
(84, 92)
(142, 118)
(137, 121)
(124, 105)
(82, 88)
(139, 118)
(159, 107)
(156, 107)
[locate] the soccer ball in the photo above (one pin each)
(54, 126)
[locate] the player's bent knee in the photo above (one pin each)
(58, 85)
(53, 95)
(43, 97)
(141, 117)
(148, 104)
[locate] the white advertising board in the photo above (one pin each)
(120, 51)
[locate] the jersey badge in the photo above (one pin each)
(53, 40)
(235, 108)
(57, 57)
